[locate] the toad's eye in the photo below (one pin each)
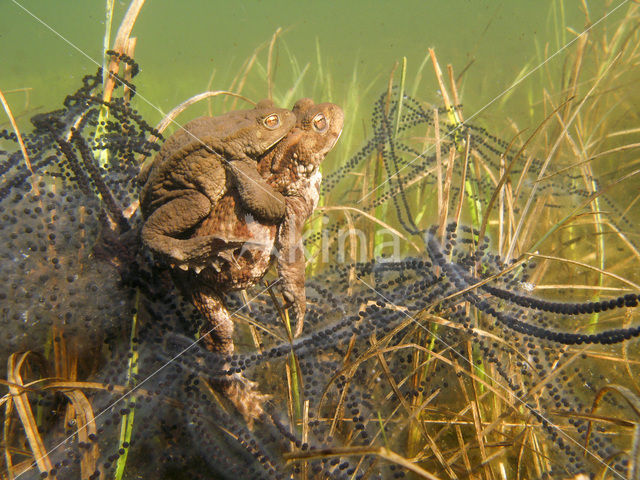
(320, 123)
(272, 121)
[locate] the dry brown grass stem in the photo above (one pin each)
(577, 68)
(377, 348)
(480, 333)
(575, 286)
(438, 72)
(339, 409)
(477, 418)
(622, 148)
(305, 436)
(23, 407)
(270, 63)
(438, 148)
(44, 384)
(439, 454)
(506, 175)
(574, 213)
(120, 45)
(209, 86)
(353, 250)
(611, 358)
(633, 401)
(348, 370)
(290, 407)
(14, 125)
(628, 363)
(463, 180)
(454, 91)
(595, 418)
(242, 76)
(6, 434)
(586, 266)
(130, 51)
(463, 447)
(551, 154)
(170, 117)
(81, 411)
(390, 379)
(632, 248)
(382, 452)
(369, 217)
(427, 172)
(446, 191)
(21, 89)
(259, 326)
(628, 131)
(555, 372)
(484, 281)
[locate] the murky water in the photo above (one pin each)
(181, 45)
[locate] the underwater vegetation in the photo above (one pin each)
(494, 335)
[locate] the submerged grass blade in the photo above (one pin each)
(381, 452)
(86, 429)
(633, 400)
(525, 210)
(126, 422)
(271, 64)
(120, 45)
(507, 172)
(6, 433)
(403, 77)
(23, 407)
(14, 125)
(107, 39)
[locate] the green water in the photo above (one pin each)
(181, 44)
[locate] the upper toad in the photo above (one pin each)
(197, 165)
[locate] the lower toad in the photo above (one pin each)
(292, 169)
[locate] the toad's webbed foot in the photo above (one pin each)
(245, 397)
(201, 252)
(258, 197)
(293, 291)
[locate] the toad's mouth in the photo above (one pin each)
(275, 142)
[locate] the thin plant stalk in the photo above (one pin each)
(108, 75)
(126, 422)
(403, 77)
(107, 39)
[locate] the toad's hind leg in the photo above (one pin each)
(217, 331)
(173, 219)
(217, 336)
(166, 224)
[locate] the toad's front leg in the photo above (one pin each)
(256, 195)
(290, 254)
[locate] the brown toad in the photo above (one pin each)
(194, 169)
(291, 168)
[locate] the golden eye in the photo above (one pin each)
(320, 123)
(272, 121)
